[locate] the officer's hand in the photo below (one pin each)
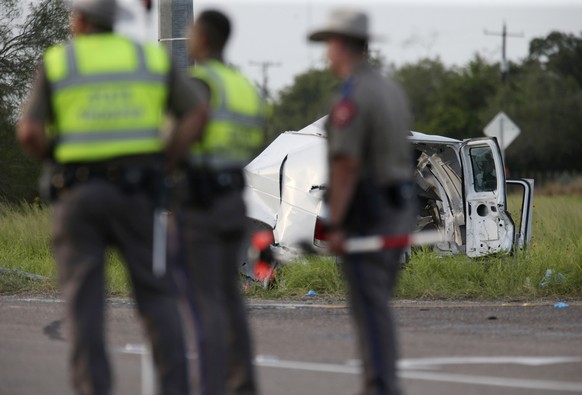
(336, 241)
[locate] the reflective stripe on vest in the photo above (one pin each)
(108, 95)
(234, 132)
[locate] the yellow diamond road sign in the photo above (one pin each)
(503, 128)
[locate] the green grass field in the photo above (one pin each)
(25, 245)
(556, 245)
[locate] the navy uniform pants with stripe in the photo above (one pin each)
(88, 218)
(211, 240)
(371, 278)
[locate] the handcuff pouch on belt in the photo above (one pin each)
(57, 178)
(205, 185)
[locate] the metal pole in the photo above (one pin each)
(265, 70)
(501, 140)
(174, 17)
(504, 63)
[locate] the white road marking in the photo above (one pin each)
(273, 362)
(423, 363)
(408, 369)
(494, 381)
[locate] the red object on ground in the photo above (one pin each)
(264, 271)
(262, 240)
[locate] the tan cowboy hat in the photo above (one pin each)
(347, 23)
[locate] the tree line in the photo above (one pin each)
(543, 95)
(25, 33)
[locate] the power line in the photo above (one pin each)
(504, 35)
(265, 73)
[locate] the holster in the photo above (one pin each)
(205, 185)
(46, 189)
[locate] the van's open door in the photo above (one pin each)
(526, 187)
(489, 228)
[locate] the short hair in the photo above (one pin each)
(217, 27)
(99, 13)
(99, 26)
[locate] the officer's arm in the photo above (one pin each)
(188, 130)
(31, 128)
(344, 170)
(191, 109)
(346, 128)
(32, 138)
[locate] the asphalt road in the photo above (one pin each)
(446, 348)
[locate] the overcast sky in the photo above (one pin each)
(276, 30)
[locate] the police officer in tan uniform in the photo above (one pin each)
(213, 217)
(104, 98)
(370, 188)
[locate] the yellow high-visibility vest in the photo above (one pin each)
(108, 96)
(234, 133)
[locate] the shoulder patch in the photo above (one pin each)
(343, 113)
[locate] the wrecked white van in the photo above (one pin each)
(461, 188)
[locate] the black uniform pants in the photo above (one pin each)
(211, 238)
(88, 218)
(371, 278)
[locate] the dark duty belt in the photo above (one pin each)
(129, 178)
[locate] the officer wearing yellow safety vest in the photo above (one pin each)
(213, 219)
(104, 98)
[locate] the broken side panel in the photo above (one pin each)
(440, 194)
(489, 228)
(303, 180)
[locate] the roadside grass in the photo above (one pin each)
(319, 274)
(556, 245)
(519, 277)
(25, 249)
(26, 261)
(426, 276)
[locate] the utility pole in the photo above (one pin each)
(504, 63)
(504, 88)
(174, 16)
(265, 72)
